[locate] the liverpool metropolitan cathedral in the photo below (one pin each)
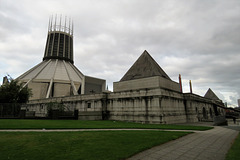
(144, 94)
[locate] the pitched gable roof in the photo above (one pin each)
(145, 66)
(211, 95)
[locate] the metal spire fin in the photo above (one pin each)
(51, 23)
(65, 24)
(72, 27)
(55, 22)
(60, 22)
(69, 25)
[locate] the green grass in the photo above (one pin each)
(101, 145)
(234, 152)
(77, 124)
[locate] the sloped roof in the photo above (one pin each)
(53, 69)
(211, 95)
(145, 66)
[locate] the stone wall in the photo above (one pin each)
(90, 107)
(146, 105)
(201, 109)
(143, 83)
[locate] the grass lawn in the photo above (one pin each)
(101, 145)
(77, 124)
(234, 152)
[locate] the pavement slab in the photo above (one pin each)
(211, 144)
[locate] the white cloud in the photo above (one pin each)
(199, 39)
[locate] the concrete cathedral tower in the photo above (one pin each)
(59, 41)
(56, 75)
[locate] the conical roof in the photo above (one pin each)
(211, 95)
(58, 70)
(144, 67)
(53, 78)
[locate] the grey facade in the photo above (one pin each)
(148, 97)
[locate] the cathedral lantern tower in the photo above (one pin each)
(56, 75)
(59, 41)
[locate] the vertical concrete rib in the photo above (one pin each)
(69, 47)
(58, 44)
(30, 70)
(51, 54)
(51, 82)
(37, 73)
(81, 76)
(77, 71)
(72, 84)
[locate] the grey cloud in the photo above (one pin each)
(199, 39)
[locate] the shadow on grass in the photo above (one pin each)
(101, 145)
(77, 124)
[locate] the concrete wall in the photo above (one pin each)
(146, 105)
(61, 89)
(94, 85)
(201, 109)
(64, 88)
(143, 83)
(39, 89)
(90, 107)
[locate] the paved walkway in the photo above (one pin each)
(211, 145)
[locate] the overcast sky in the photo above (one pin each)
(199, 39)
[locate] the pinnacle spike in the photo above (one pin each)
(60, 22)
(69, 25)
(55, 22)
(51, 23)
(72, 27)
(65, 24)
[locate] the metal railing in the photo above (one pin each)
(10, 110)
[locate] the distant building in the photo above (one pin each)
(238, 102)
(5, 80)
(225, 104)
(211, 95)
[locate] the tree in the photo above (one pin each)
(14, 92)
